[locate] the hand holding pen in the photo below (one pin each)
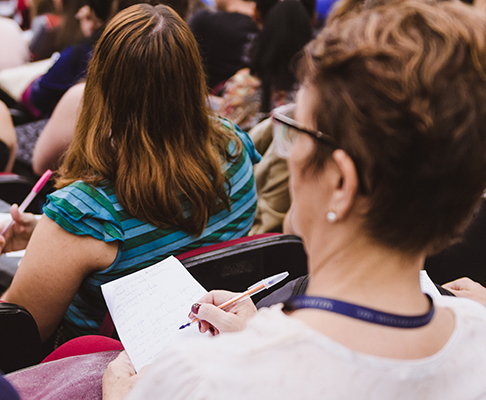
(223, 311)
(215, 320)
(18, 237)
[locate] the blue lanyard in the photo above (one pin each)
(359, 312)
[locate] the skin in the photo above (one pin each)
(17, 237)
(88, 21)
(119, 378)
(465, 287)
(58, 132)
(52, 271)
(8, 135)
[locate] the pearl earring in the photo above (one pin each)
(331, 215)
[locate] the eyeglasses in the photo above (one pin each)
(286, 129)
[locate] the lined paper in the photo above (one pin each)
(149, 306)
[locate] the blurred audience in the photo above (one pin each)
(224, 37)
(41, 144)
(54, 27)
(42, 95)
(251, 93)
(57, 134)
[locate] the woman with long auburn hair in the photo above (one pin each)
(150, 173)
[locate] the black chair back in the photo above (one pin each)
(238, 266)
(20, 343)
(15, 188)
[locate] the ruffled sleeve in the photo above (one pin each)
(85, 210)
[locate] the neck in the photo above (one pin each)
(363, 272)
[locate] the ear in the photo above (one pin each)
(345, 184)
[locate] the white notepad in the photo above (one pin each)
(149, 306)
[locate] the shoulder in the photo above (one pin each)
(463, 308)
(79, 193)
(245, 139)
(83, 209)
(470, 321)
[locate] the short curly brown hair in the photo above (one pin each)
(402, 89)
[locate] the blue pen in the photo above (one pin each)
(252, 290)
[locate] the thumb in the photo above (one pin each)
(15, 213)
(459, 284)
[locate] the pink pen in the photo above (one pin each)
(36, 189)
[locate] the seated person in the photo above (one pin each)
(386, 161)
(58, 133)
(224, 37)
(42, 95)
(250, 95)
(41, 144)
(143, 179)
(14, 49)
(54, 27)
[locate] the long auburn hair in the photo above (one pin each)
(145, 124)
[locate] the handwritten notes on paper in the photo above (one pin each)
(148, 306)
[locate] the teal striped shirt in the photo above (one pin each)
(85, 210)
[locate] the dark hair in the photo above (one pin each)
(181, 7)
(264, 7)
(402, 90)
(145, 124)
(102, 8)
(286, 31)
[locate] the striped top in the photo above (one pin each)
(85, 210)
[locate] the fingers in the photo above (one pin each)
(460, 284)
(122, 365)
(466, 287)
(23, 219)
(118, 378)
(215, 297)
(211, 315)
(212, 318)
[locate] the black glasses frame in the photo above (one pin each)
(291, 123)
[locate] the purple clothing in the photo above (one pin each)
(43, 94)
(7, 392)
